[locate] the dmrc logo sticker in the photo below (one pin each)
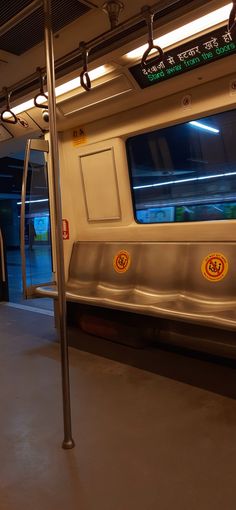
(214, 267)
(122, 261)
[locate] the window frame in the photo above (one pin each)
(175, 122)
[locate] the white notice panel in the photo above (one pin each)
(100, 185)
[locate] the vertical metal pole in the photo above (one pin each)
(54, 154)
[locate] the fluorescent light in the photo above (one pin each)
(34, 201)
(74, 84)
(194, 27)
(204, 126)
(202, 178)
(23, 107)
(63, 89)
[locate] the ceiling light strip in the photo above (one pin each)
(188, 30)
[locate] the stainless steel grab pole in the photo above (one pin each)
(22, 218)
(2, 258)
(54, 159)
(42, 146)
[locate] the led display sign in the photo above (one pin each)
(200, 51)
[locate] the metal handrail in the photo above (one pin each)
(30, 81)
(40, 145)
(22, 216)
(68, 441)
(2, 258)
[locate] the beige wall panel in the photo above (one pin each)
(100, 186)
(73, 199)
(112, 132)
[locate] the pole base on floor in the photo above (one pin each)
(68, 444)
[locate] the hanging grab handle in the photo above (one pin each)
(84, 76)
(8, 110)
(41, 90)
(149, 15)
(232, 20)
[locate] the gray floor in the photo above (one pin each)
(38, 266)
(143, 441)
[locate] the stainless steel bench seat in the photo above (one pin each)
(164, 280)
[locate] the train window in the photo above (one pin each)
(185, 172)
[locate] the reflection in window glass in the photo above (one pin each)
(185, 172)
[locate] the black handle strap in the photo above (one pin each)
(41, 90)
(149, 15)
(13, 118)
(85, 81)
(84, 76)
(159, 57)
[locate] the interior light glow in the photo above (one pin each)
(204, 126)
(34, 201)
(62, 89)
(75, 83)
(24, 106)
(180, 181)
(194, 27)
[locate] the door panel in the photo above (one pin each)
(36, 249)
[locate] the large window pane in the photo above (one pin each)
(185, 172)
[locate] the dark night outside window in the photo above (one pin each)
(185, 172)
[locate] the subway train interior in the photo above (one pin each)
(117, 238)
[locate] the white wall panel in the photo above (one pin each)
(100, 185)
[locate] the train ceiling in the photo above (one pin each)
(29, 32)
(21, 49)
(21, 30)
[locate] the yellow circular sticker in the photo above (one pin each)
(121, 261)
(214, 267)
